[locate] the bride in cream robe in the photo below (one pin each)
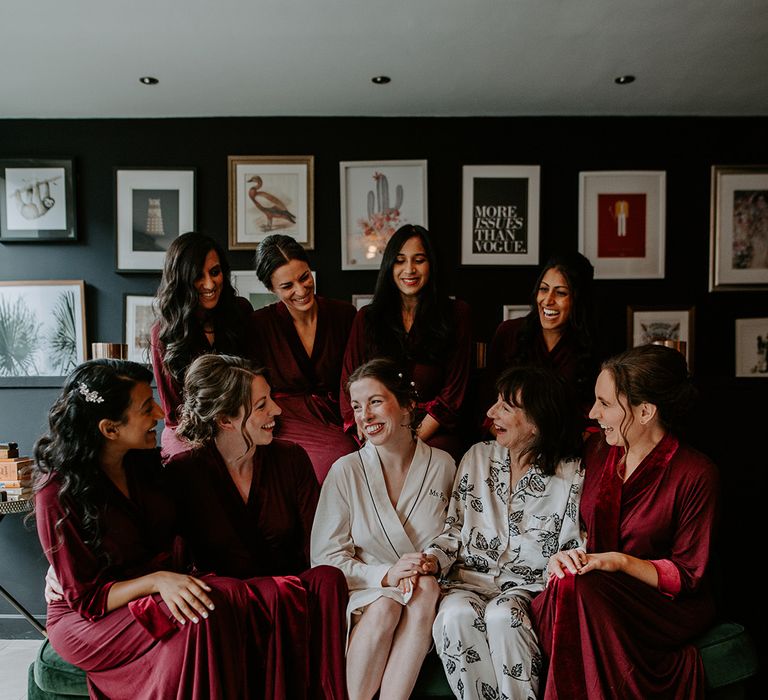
(379, 507)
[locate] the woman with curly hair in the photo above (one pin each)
(199, 313)
(247, 501)
(413, 323)
(128, 616)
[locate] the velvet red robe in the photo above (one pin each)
(441, 386)
(170, 391)
(608, 635)
(139, 650)
(269, 537)
(562, 359)
(306, 387)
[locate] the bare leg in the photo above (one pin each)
(413, 638)
(369, 645)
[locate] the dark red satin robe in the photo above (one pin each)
(441, 386)
(306, 387)
(269, 537)
(170, 391)
(562, 359)
(608, 635)
(138, 650)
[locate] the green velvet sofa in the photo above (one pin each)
(727, 652)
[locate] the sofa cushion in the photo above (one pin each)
(54, 675)
(728, 654)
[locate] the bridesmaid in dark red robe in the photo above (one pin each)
(250, 515)
(127, 617)
(301, 340)
(617, 621)
(425, 333)
(558, 333)
(199, 313)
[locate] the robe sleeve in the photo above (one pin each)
(354, 356)
(696, 505)
(447, 544)
(332, 535)
(307, 494)
(79, 571)
(444, 408)
(167, 387)
(571, 536)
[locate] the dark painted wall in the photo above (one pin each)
(732, 415)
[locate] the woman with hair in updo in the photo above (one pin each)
(648, 508)
(199, 313)
(411, 321)
(558, 332)
(127, 615)
(301, 339)
(378, 508)
(247, 501)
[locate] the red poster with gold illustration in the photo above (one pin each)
(621, 225)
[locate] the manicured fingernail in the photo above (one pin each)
(205, 615)
(211, 606)
(195, 620)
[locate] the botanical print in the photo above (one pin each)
(36, 199)
(750, 229)
(382, 220)
(40, 330)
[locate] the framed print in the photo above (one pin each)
(37, 201)
(247, 285)
(510, 311)
(377, 198)
(622, 223)
(663, 325)
(361, 300)
(739, 228)
(752, 348)
(139, 316)
(42, 326)
(270, 194)
(500, 215)
(152, 207)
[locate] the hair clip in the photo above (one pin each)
(90, 396)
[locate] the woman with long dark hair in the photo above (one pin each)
(413, 323)
(377, 509)
(558, 332)
(648, 508)
(301, 339)
(127, 615)
(514, 503)
(199, 313)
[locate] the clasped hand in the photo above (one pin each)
(408, 568)
(577, 561)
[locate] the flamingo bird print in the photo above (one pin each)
(272, 207)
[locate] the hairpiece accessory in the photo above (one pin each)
(90, 396)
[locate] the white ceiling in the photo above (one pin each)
(83, 58)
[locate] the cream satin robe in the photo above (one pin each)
(493, 554)
(358, 530)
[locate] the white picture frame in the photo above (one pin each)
(500, 215)
(512, 311)
(377, 198)
(153, 207)
(622, 218)
(44, 322)
(139, 315)
(751, 341)
(361, 300)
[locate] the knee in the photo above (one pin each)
(384, 614)
(424, 600)
(325, 580)
(509, 618)
(455, 616)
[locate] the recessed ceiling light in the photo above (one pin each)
(381, 80)
(148, 80)
(624, 80)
